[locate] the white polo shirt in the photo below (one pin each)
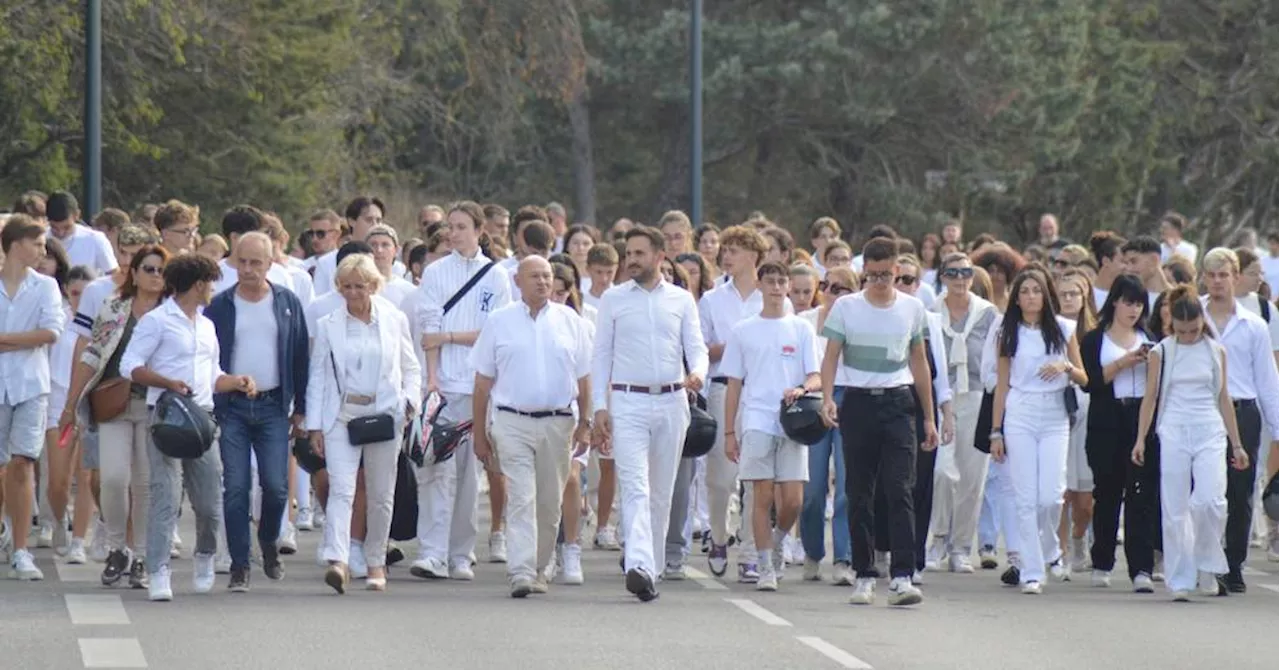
(535, 360)
(36, 305)
(88, 247)
(769, 356)
(173, 345)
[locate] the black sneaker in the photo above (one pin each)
(1234, 581)
(271, 565)
(117, 565)
(641, 585)
(394, 555)
(239, 580)
(138, 575)
(1012, 576)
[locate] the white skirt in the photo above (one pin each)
(1079, 474)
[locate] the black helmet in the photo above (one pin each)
(443, 437)
(180, 428)
(308, 459)
(1271, 499)
(802, 419)
(701, 435)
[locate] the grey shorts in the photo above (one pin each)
(22, 429)
(89, 449)
(766, 456)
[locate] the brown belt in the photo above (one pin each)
(648, 390)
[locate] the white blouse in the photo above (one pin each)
(1024, 369)
(363, 358)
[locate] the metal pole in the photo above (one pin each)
(695, 113)
(93, 108)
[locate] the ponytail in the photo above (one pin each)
(486, 245)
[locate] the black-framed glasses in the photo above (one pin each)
(153, 270)
(906, 280)
(957, 273)
(878, 277)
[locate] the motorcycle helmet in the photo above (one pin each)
(701, 435)
(308, 460)
(802, 419)
(180, 428)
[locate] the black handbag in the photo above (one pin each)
(364, 430)
(982, 432)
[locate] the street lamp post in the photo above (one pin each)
(695, 112)
(93, 108)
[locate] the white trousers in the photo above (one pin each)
(722, 480)
(956, 503)
(648, 437)
(343, 464)
(448, 495)
(1035, 436)
(534, 455)
(1194, 520)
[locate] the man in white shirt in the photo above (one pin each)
(31, 319)
(647, 336)
(1172, 227)
(1254, 386)
(84, 245)
(362, 214)
(602, 267)
(174, 347)
(178, 224)
(385, 243)
(237, 221)
(1106, 247)
(559, 220)
(771, 360)
(327, 230)
(451, 319)
(534, 358)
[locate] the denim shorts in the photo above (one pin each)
(22, 428)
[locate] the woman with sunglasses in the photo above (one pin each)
(910, 280)
(122, 440)
(840, 281)
(966, 321)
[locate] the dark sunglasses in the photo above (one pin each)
(835, 289)
(906, 280)
(957, 273)
(153, 270)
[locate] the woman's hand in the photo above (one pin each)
(1139, 455)
(1239, 458)
(1052, 370)
(68, 418)
(997, 448)
(317, 442)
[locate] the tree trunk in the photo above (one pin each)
(584, 171)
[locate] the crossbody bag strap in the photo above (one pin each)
(466, 288)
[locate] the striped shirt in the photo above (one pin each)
(876, 341)
(440, 281)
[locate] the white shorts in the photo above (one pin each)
(57, 401)
(22, 429)
(766, 456)
(1079, 474)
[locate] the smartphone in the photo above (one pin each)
(1147, 346)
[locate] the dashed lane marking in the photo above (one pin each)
(96, 610)
(844, 658)
(704, 580)
(112, 653)
(750, 607)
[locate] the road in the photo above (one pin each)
(966, 622)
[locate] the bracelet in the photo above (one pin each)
(729, 432)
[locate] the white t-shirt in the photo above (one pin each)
(88, 247)
(770, 356)
(877, 340)
(1184, 248)
(60, 362)
(1024, 368)
(1130, 382)
(398, 290)
(94, 297)
(257, 346)
(301, 285)
(1100, 297)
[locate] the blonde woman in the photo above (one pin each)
(363, 365)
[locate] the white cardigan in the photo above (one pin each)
(400, 377)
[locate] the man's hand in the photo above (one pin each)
(830, 413)
(480, 443)
(582, 433)
(602, 432)
(246, 385)
(693, 382)
(317, 442)
(178, 387)
(791, 395)
(948, 428)
(731, 449)
(930, 437)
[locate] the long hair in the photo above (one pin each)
(54, 249)
(1129, 289)
(705, 281)
(1087, 319)
(569, 275)
(476, 213)
(1054, 340)
(129, 289)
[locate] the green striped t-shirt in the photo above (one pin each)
(876, 341)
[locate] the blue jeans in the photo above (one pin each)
(813, 511)
(259, 424)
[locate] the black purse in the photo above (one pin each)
(364, 430)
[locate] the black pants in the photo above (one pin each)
(1240, 486)
(1117, 480)
(921, 498)
(880, 453)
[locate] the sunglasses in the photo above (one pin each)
(906, 280)
(153, 270)
(957, 273)
(835, 289)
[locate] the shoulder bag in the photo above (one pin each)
(466, 288)
(364, 430)
(109, 399)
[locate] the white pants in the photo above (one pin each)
(1035, 438)
(342, 461)
(956, 503)
(126, 475)
(648, 437)
(1194, 520)
(448, 495)
(698, 518)
(722, 480)
(534, 455)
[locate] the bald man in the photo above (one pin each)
(266, 319)
(532, 358)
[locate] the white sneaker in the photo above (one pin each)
(864, 592)
(44, 538)
(429, 568)
(356, 563)
(159, 590)
(1181, 596)
(288, 543)
(812, 570)
(936, 554)
(1143, 584)
(461, 570)
(304, 520)
(1102, 578)
(75, 552)
(317, 518)
(202, 579)
(1032, 588)
(23, 567)
(768, 579)
(902, 592)
(607, 539)
(674, 572)
(497, 547)
(175, 549)
(98, 549)
(1059, 571)
(960, 564)
(1207, 584)
(917, 578)
(222, 563)
(842, 575)
(571, 571)
(1079, 553)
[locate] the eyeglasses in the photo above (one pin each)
(878, 277)
(153, 270)
(906, 280)
(957, 273)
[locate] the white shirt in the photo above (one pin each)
(300, 281)
(1024, 367)
(60, 359)
(842, 373)
(328, 304)
(1184, 248)
(1130, 382)
(440, 281)
(535, 361)
(645, 338)
(326, 270)
(1252, 303)
(96, 294)
(256, 352)
(1100, 297)
(589, 300)
(722, 308)
(276, 274)
(769, 356)
(36, 305)
(1270, 271)
(398, 290)
(88, 247)
(1251, 370)
(173, 345)
(363, 355)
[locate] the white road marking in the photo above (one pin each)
(77, 573)
(96, 610)
(112, 653)
(750, 607)
(1252, 571)
(844, 658)
(1271, 587)
(704, 580)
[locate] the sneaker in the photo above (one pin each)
(768, 579)
(541, 585)
(271, 565)
(718, 559)
(357, 567)
(317, 518)
(882, 564)
(461, 570)
(1012, 576)
(1273, 549)
(222, 563)
(497, 547)
(429, 568)
(641, 585)
(98, 548)
(138, 575)
(44, 539)
(936, 556)
(61, 541)
(1181, 596)
(23, 567)
(864, 591)
(1235, 581)
(117, 565)
(842, 575)
(960, 564)
(917, 578)
(288, 543)
(1059, 571)
(1142, 583)
(793, 551)
(303, 520)
(1209, 585)
(1102, 578)
(571, 568)
(1079, 555)
(239, 580)
(203, 577)
(987, 557)
(394, 554)
(521, 588)
(812, 570)
(75, 552)
(902, 592)
(1157, 574)
(159, 589)
(607, 539)
(748, 573)
(1032, 589)
(674, 572)
(706, 542)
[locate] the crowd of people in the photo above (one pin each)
(629, 390)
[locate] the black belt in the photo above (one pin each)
(541, 414)
(1129, 402)
(720, 380)
(648, 390)
(1245, 402)
(857, 390)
